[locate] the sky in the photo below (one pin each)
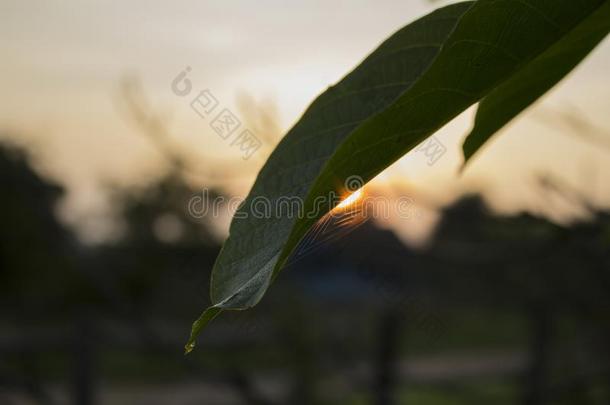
(65, 65)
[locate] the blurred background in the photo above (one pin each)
(495, 289)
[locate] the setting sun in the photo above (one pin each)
(350, 199)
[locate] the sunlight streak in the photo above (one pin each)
(350, 199)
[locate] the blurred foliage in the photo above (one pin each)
(495, 309)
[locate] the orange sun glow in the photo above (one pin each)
(350, 199)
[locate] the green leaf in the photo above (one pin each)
(527, 85)
(413, 84)
(493, 41)
(248, 258)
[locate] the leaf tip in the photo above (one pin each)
(462, 167)
(205, 318)
(468, 151)
(188, 347)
